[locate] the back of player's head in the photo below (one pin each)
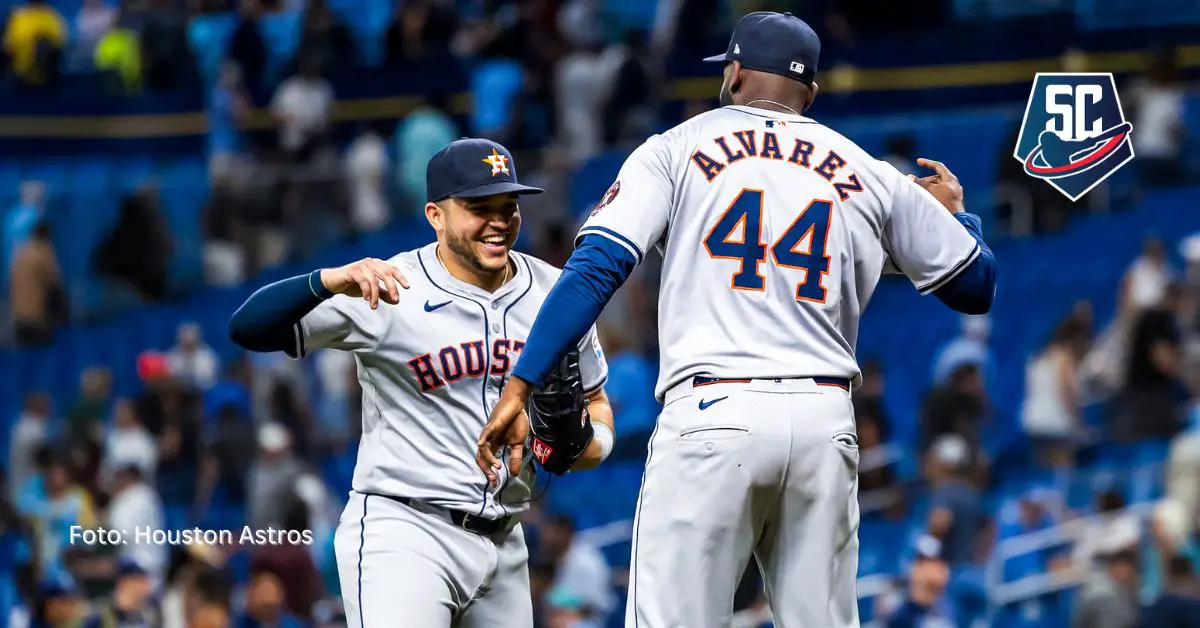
(770, 56)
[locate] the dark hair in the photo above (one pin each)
(1179, 567)
(1110, 501)
(214, 586)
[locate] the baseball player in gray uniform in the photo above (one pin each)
(774, 231)
(425, 540)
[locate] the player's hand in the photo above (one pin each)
(371, 279)
(508, 426)
(944, 185)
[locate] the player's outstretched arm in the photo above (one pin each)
(264, 322)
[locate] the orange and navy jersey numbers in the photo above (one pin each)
(466, 360)
(827, 163)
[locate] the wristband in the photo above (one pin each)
(604, 437)
(318, 288)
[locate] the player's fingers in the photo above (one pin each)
(912, 177)
(482, 455)
(400, 278)
(516, 456)
(937, 167)
(373, 289)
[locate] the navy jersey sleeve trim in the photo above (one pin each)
(616, 237)
(951, 274)
(972, 289)
(593, 274)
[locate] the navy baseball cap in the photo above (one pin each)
(472, 168)
(779, 43)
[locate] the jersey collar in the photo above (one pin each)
(444, 280)
(771, 114)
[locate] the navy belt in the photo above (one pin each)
(840, 382)
(471, 523)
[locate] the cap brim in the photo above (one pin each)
(500, 187)
(717, 58)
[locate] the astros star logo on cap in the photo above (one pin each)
(498, 162)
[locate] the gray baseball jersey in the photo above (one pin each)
(774, 230)
(431, 369)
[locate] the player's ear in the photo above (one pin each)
(812, 95)
(435, 215)
(735, 77)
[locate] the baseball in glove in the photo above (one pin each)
(560, 429)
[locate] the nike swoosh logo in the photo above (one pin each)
(430, 308)
(704, 405)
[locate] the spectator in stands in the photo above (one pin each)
(29, 433)
(91, 407)
(629, 106)
(876, 472)
(901, 152)
(21, 220)
(1156, 108)
(272, 476)
(60, 504)
(1052, 412)
(419, 30)
(927, 580)
(1179, 605)
(301, 108)
(36, 289)
(228, 108)
(143, 267)
(128, 443)
(1147, 278)
(956, 510)
(959, 406)
(1170, 537)
(247, 47)
(136, 506)
(33, 40)
(1183, 470)
(580, 567)
(208, 603)
(566, 609)
(418, 136)
(1108, 599)
(1113, 530)
(119, 58)
(337, 376)
(94, 20)
(325, 38)
(1151, 405)
(193, 363)
(59, 603)
(581, 81)
(293, 569)
(167, 58)
(265, 603)
(132, 602)
(187, 563)
(366, 164)
(969, 348)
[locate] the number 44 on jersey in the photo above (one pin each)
(737, 235)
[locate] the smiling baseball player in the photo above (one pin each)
(774, 231)
(424, 540)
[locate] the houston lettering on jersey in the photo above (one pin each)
(465, 360)
(744, 146)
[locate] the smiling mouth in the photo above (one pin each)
(495, 239)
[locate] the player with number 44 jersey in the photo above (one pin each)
(774, 231)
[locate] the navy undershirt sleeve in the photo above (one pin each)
(973, 290)
(265, 322)
(590, 278)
